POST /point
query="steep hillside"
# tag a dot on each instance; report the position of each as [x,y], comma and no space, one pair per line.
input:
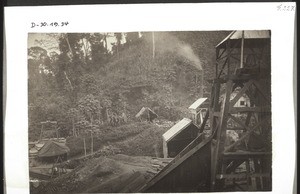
[84,83]
[170,79]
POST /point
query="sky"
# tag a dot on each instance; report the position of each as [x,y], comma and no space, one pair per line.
[51,44]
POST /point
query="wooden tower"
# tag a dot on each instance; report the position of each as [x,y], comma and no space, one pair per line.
[243,68]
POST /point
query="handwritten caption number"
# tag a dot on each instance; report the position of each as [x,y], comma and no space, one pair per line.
[45,24]
[285,7]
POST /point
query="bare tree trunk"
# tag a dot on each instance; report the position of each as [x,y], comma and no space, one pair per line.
[68,80]
[74,131]
[84,146]
[92,143]
[105,41]
[67,39]
[85,50]
[153,46]
[91,117]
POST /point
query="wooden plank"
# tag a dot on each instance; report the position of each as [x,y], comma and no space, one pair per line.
[242,175]
[175,163]
[263,109]
[236,128]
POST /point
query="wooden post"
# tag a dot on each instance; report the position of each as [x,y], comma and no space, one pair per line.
[202,84]
[153,46]
[195,118]
[74,132]
[56,129]
[221,135]
[84,146]
[217,60]
[228,57]
[92,143]
[91,116]
[242,50]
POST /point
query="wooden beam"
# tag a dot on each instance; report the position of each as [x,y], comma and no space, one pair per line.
[242,50]
[242,175]
[221,134]
[223,67]
[233,165]
[220,55]
[236,128]
[264,109]
[240,93]
[245,154]
[216,114]
[249,131]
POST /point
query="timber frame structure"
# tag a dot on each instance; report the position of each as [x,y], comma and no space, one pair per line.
[244,58]
[243,67]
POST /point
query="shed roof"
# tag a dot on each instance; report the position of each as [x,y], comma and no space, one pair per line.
[145,110]
[52,148]
[248,34]
[176,129]
[197,103]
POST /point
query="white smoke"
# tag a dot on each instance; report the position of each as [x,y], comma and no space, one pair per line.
[186,51]
[166,42]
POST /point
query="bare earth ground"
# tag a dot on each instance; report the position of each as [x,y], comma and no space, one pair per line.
[123,165]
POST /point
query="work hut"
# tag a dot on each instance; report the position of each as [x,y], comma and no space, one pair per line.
[146,114]
[198,110]
[53,151]
[178,137]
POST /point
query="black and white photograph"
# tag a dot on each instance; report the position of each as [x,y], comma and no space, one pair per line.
[150,98]
[132,112]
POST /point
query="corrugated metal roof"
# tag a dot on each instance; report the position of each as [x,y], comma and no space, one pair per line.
[197,103]
[248,34]
[177,128]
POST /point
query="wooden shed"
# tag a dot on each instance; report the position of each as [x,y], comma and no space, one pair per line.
[146,114]
[178,137]
[53,150]
[198,110]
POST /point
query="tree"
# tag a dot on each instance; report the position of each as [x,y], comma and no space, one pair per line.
[89,106]
[132,37]
[119,38]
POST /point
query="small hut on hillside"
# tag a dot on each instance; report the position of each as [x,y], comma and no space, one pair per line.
[146,114]
[52,151]
[178,137]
